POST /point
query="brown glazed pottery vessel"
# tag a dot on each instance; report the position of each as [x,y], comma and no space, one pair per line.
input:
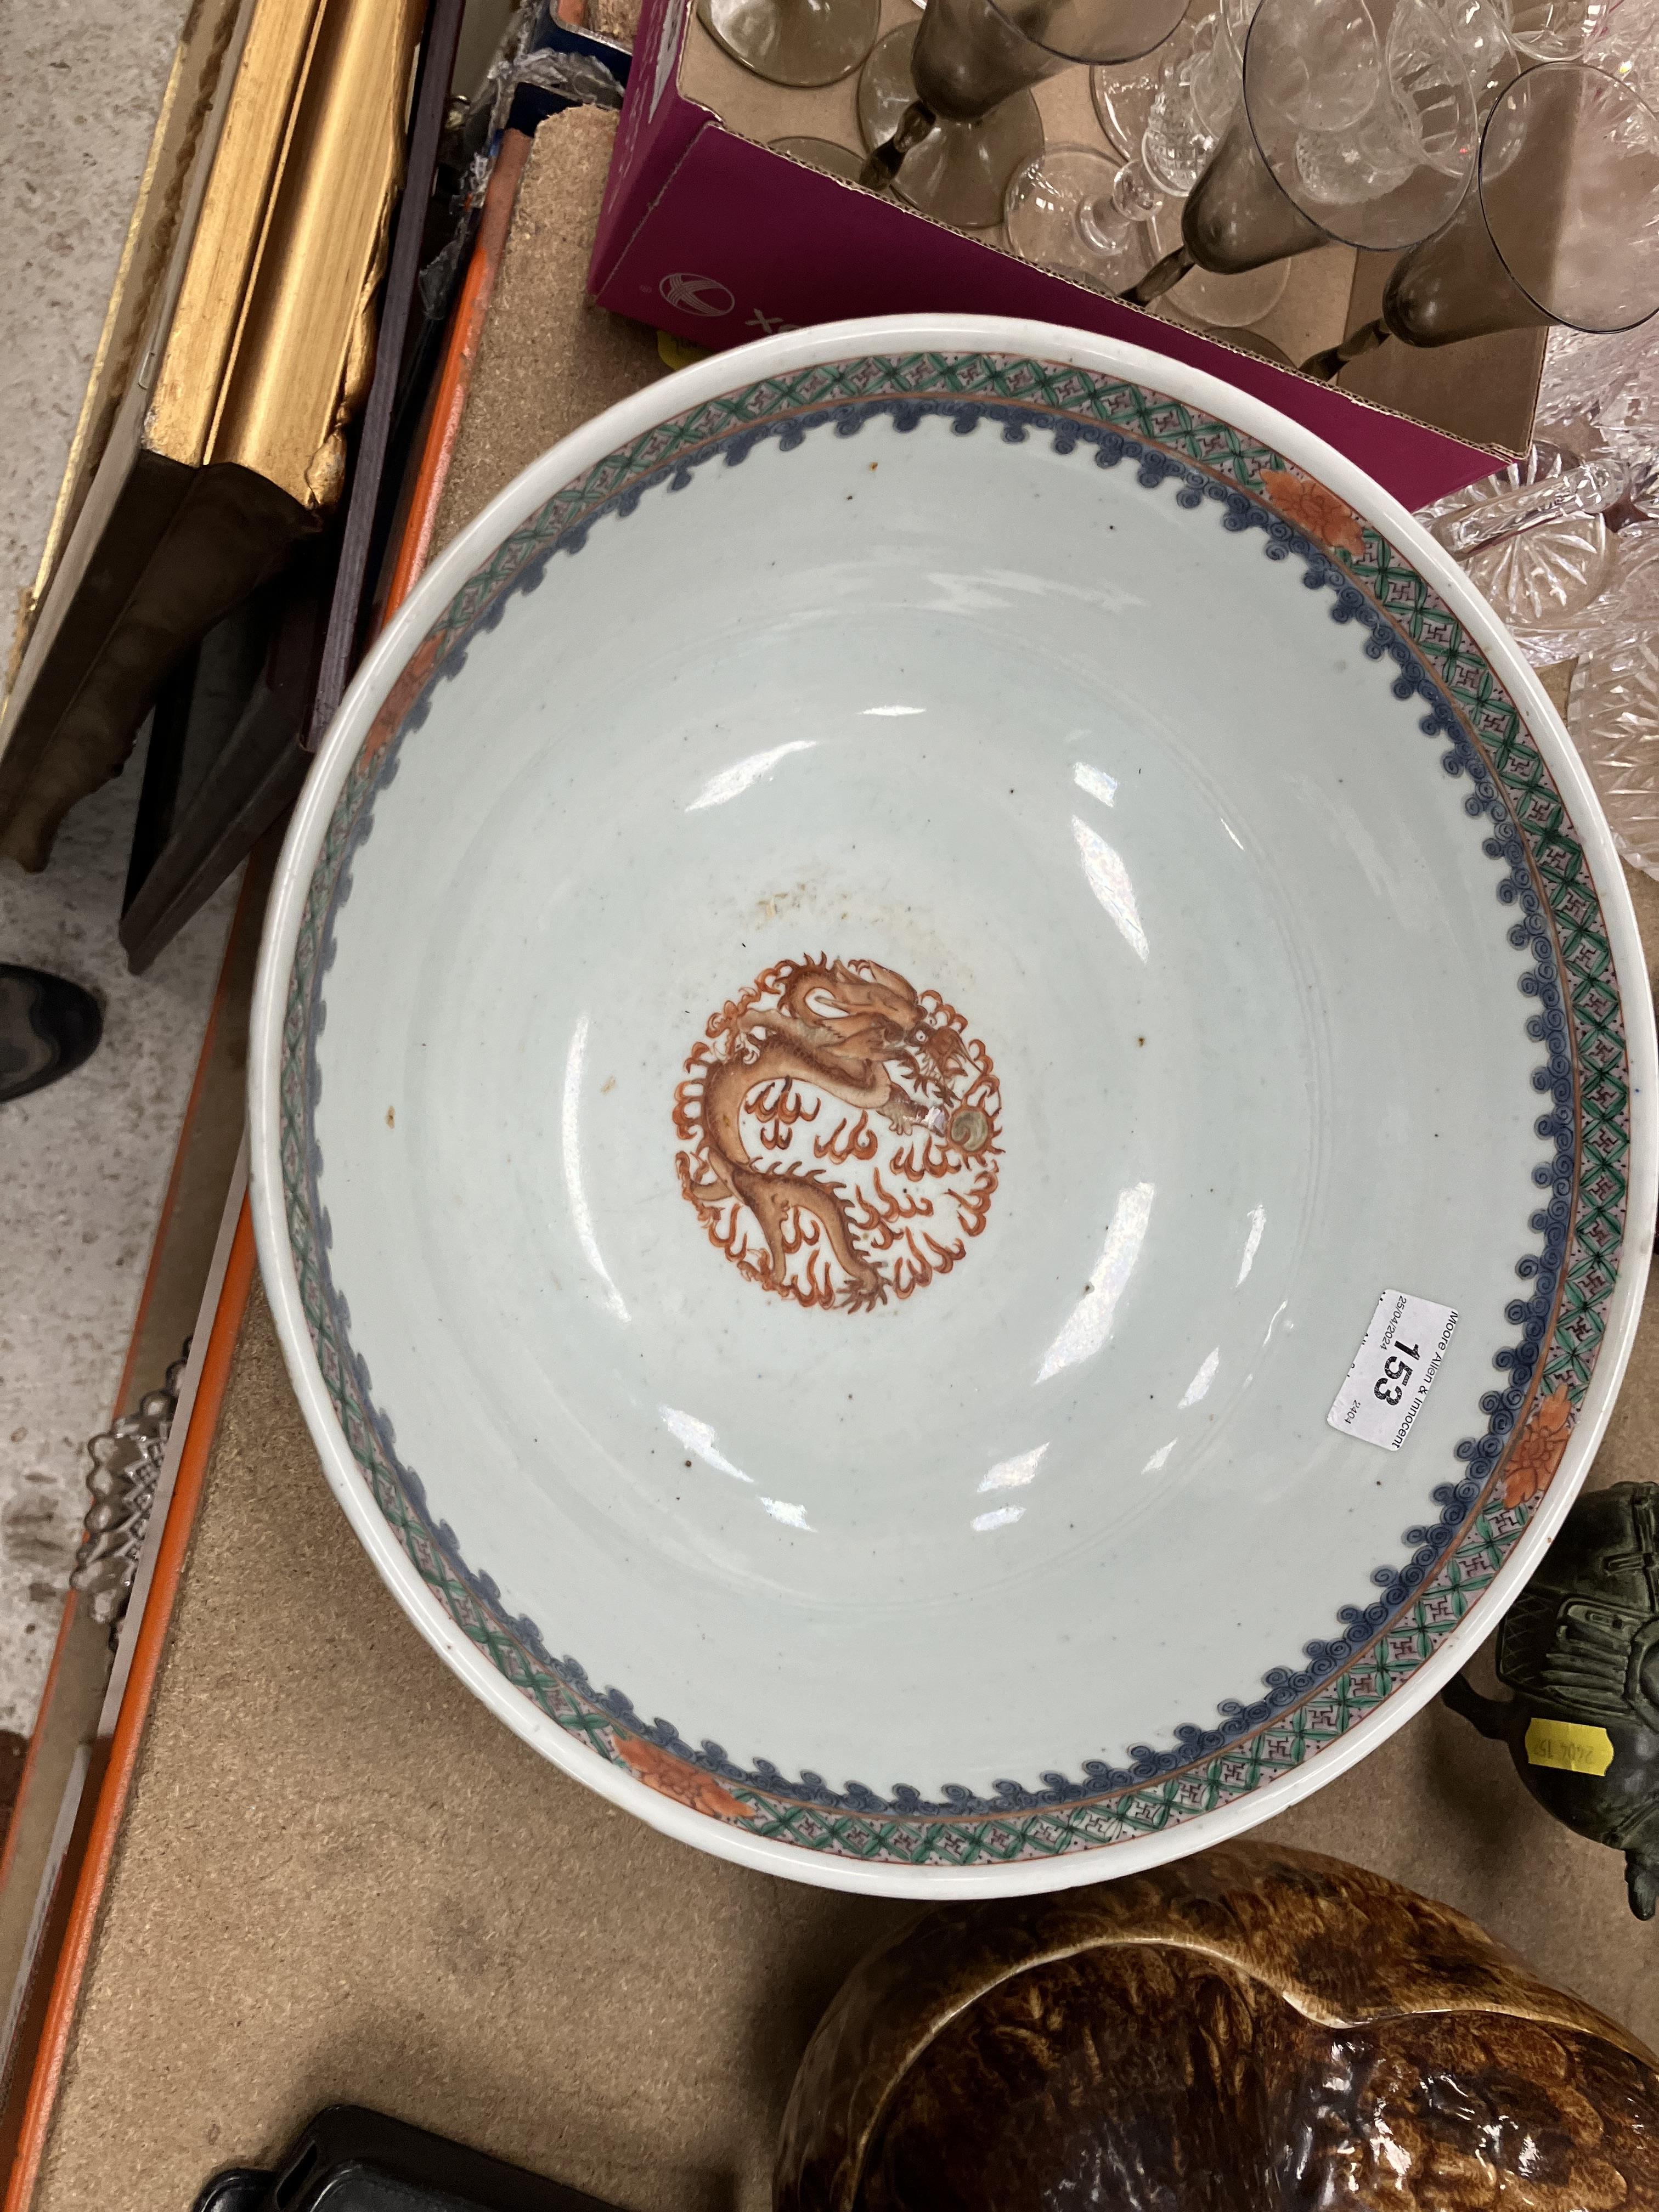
[1248,2030]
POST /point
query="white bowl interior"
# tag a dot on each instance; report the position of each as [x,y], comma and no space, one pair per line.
[1078,757]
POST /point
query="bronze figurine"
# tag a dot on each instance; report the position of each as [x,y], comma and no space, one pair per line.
[1580,1650]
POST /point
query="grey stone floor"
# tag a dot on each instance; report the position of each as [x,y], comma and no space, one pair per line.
[82,84]
[86,1161]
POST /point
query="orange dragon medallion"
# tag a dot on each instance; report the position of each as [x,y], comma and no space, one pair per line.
[841,1134]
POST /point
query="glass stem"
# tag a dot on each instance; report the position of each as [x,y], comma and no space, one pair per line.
[885,161]
[1366,339]
[1591,488]
[1162,276]
[1098,223]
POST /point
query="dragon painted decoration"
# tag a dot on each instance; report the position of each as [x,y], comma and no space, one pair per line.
[832,1095]
[877,1202]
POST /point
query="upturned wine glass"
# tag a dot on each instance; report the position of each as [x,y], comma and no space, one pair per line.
[1563,225]
[794,42]
[945,104]
[1356,124]
[826,153]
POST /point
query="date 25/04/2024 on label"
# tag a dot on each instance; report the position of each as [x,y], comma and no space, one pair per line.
[1394,1370]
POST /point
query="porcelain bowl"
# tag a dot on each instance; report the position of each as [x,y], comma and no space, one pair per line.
[953,1108]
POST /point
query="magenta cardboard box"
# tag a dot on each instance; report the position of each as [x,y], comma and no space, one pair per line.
[709,234]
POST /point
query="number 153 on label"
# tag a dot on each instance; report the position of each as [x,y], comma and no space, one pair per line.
[1394,1370]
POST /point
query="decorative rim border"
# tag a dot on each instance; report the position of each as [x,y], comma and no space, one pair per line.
[1586,1078]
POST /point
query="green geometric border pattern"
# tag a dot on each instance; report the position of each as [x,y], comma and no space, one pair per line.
[1566,890]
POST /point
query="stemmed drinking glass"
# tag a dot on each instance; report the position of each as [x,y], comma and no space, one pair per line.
[1102,218]
[1563,226]
[1169,115]
[1162,117]
[1481,31]
[945,104]
[794,42]
[1554,30]
[1076,212]
[1102,222]
[1356,124]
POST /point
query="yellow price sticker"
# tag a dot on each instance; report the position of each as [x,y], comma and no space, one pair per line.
[1570,1745]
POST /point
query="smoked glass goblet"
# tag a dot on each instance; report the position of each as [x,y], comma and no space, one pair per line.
[1357,125]
[1563,226]
[945,104]
[1103,221]
[1166,114]
[793,42]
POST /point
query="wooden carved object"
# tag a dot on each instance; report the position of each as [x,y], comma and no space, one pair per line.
[1252,2029]
[1580,1650]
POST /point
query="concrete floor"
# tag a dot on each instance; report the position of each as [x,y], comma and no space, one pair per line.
[86,1160]
[83,86]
